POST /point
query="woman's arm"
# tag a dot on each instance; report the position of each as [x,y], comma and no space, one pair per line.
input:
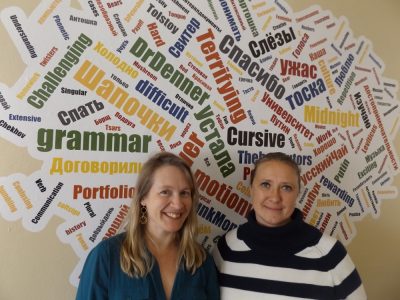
[95,275]
[212,280]
[348,284]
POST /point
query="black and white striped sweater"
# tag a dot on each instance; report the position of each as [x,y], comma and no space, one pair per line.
[294,261]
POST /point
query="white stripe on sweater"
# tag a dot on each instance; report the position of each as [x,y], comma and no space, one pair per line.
[329,278]
[272,273]
[236,294]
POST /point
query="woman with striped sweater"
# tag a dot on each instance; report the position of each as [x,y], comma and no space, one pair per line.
[275,254]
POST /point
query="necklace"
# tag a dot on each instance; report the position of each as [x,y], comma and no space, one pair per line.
[152,241]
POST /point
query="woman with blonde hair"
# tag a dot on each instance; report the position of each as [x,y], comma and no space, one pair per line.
[158,256]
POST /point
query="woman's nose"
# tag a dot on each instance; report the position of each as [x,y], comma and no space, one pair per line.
[177,200]
[275,195]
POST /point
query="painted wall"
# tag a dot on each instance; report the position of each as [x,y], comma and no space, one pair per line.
[376,247]
[38,266]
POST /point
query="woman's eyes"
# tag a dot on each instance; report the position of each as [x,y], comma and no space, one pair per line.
[185,193]
[287,188]
[265,184]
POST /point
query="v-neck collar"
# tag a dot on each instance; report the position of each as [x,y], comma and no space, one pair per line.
[156,279]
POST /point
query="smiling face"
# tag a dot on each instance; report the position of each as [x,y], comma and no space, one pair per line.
[274,192]
[168,202]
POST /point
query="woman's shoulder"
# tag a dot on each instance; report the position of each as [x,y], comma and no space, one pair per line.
[231,234]
[329,243]
[112,244]
[208,261]
[115,240]
[231,242]
[325,246]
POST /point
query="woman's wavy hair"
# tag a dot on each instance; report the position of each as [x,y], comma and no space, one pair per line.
[135,259]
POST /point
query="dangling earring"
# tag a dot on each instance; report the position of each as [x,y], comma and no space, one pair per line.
[143,215]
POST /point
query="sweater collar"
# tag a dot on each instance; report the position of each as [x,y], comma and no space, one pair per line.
[291,237]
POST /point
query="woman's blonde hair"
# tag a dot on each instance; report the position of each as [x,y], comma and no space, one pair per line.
[135,258]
